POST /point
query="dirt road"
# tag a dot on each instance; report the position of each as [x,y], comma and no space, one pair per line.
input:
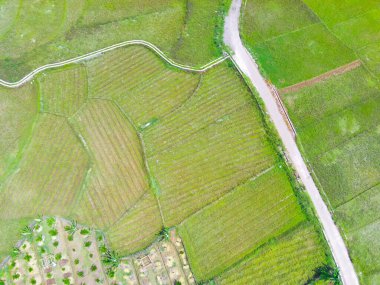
[247,65]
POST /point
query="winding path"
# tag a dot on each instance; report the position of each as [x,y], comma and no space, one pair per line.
[247,65]
[107,49]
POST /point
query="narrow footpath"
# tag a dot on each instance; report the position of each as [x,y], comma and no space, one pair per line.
[248,66]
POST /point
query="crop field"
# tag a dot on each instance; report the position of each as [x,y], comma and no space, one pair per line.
[337,119]
[118,178]
[137,227]
[221,234]
[189,147]
[15,129]
[63,92]
[290,259]
[124,143]
[34,33]
[140,83]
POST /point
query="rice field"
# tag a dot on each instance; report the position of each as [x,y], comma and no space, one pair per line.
[63,91]
[35,33]
[221,234]
[15,130]
[137,227]
[214,142]
[291,259]
[118,177]
[140,82]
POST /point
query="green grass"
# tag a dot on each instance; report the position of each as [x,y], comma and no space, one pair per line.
[118,178]
[285,16]
[350,169]
[361,31]
[334,95]
[63,91]
[41,32]
[137,228]
[360,211]
[365,244]
[301,55]
[341,10]
[140,82]
[289,259]
[15,129]
[190,147]
[224,232]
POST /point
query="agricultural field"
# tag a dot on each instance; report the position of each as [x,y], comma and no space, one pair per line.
[130,146]
[336,116]
[253,213]
[35,33]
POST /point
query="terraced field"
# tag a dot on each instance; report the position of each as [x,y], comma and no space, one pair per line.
[336,118]
[34,33]
[129,145]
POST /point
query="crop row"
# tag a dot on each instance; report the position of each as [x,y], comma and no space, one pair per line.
[224,232]
[140,82]
[289,260]
[118,178]
[63,91]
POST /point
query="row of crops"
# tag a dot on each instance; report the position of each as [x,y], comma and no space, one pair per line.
[129,157]
[337,119]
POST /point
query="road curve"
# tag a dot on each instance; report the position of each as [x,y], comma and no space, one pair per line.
[99,52]
[248,66]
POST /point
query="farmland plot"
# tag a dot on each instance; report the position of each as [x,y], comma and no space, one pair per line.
[118,178]
[221,234]
[63,91]
[140,82]
[290,259]
[15,129]
[138,227]
[214,142]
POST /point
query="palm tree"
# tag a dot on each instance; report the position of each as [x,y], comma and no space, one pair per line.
[72,227]
[111,258]
[27,232]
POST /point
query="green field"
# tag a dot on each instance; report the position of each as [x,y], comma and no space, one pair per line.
[34,33]
[337,120]
[290,259]
[127,144]
[221,234]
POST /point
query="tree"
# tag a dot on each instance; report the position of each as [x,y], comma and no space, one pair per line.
[111,259]
[164,233]
[326,273]
[27,232]
[72,227]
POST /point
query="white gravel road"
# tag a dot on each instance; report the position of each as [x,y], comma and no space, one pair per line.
[247,65]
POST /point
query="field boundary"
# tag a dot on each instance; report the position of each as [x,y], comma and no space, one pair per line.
[337,71]
[110,48]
